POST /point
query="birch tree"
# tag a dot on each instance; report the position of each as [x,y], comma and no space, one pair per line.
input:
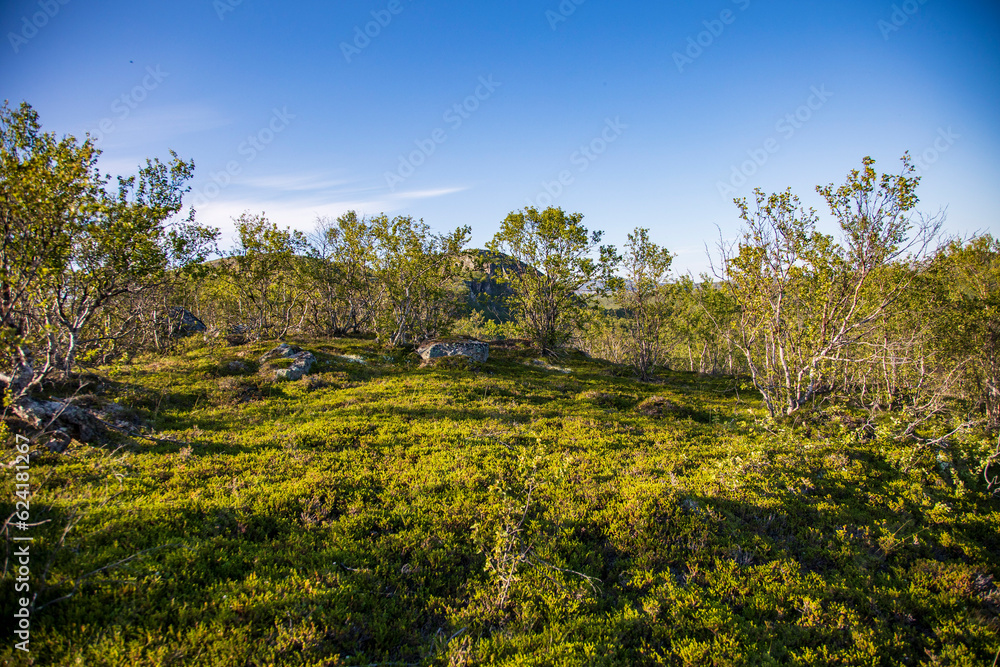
[553,268]
[806,300]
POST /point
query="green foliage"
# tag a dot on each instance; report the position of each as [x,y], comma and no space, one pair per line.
[553,264]
[642,293]
[382,512]
[263,271]
[392,276]
[42,184]
[697,324]
[475,325]
[806,301]
[413,269]
[77,254]
[963,288]
[338,273]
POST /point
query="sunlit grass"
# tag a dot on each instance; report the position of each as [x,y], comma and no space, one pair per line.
[381,512]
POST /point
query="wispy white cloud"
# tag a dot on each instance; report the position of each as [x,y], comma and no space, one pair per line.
[427,194]
[301,182]
[292,208]
[297,214]
[335,187]
[154,125]
[297,199]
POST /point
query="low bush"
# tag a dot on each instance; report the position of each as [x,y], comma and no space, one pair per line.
[386,513]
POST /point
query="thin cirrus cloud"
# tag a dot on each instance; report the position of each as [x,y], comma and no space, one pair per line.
[427,194]
[324,189]
[121,131]
[317,181]
[302,182]
[286,200]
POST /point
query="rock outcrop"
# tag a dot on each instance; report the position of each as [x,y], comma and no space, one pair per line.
[182,322]
[302,361]
[488,291]
[473,349]
[63,421]
[283,351]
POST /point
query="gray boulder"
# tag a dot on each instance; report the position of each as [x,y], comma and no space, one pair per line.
[283,351]
[181,322]
[302,361]
[301,364]
[474,349]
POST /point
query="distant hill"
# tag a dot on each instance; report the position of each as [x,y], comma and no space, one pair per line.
[483,277]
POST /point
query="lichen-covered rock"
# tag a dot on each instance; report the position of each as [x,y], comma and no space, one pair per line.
[301,364]
[64,421]
[473,349]
[283,351]
[237,368]
[302,361]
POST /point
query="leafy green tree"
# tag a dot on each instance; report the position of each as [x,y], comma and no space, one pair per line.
[342,294]
[963,288]
[642,293]
[414,270]
[123,252]
[48,189]
[702,325]
[602,335]
[72,247]
[553,269]
[264,270]
[392,276]
[806,301]
[779,254]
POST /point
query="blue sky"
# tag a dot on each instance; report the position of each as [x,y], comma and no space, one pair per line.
[632,113]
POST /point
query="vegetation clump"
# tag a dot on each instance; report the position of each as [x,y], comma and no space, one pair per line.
[658,406]
[607,399]
[392,513]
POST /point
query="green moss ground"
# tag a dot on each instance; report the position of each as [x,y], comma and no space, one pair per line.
[391,514]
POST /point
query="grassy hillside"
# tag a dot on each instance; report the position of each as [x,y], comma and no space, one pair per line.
[517,512]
